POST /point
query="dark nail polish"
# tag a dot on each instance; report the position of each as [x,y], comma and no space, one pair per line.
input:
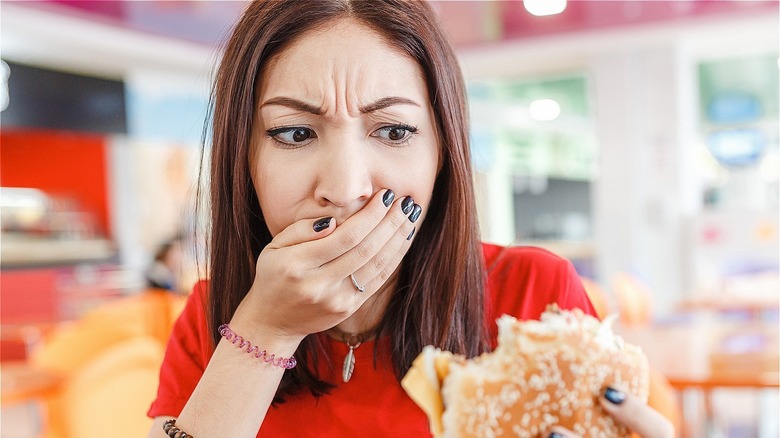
[388,197]
[407,204]
[415,213]
[321,224]
[614,396]
[409,237]
[556,435]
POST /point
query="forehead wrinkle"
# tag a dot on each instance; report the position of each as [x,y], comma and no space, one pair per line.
[340,95]
[348,84]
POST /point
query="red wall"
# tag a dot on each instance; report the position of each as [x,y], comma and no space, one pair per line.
[29,296]
[71,165]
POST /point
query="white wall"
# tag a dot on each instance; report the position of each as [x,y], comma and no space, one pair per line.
[645,163]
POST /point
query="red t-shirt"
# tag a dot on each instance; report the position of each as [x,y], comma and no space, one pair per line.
[522,281]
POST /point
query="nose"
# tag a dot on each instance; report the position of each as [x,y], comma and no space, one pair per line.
[344,176]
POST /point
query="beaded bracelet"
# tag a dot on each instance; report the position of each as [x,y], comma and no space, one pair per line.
[170,429]
[235,338]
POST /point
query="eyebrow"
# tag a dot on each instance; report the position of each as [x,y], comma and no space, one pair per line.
[306,107]
[386,102]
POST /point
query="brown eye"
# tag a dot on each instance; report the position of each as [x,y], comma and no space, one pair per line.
[395,134]
[300,135]
[293,135]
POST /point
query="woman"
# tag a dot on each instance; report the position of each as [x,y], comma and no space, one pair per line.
[166,266]
[344,230]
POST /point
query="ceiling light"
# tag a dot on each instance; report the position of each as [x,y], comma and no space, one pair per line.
[541,8]
[544,110]
[5,72]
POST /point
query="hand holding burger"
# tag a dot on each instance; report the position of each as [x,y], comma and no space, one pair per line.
[640,418]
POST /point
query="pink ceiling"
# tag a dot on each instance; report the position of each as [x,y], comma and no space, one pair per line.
[479,22]
[469,23]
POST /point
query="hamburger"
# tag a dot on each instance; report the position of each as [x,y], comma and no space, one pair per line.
[542,373]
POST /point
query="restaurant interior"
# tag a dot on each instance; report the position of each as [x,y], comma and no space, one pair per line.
[638,139]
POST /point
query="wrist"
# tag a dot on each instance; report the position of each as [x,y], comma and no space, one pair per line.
[260,353]
[261,327]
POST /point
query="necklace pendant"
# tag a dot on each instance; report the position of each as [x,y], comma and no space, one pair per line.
[349,365]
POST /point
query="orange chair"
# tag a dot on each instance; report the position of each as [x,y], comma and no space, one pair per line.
[635,304]
[72,349]
[70,346]
[634,299]
[597,297]
[663,398]
[112,393]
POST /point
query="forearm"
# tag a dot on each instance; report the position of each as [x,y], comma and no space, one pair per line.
[232,381]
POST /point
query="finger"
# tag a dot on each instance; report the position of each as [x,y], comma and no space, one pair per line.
[353,231]
[636,415]
[369,253]
[560,432]
[376,272]
[381,268]
[304,230]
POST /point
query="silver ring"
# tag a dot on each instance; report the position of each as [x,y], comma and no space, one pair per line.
[355,283]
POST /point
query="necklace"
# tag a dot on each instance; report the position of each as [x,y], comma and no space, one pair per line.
[353,341]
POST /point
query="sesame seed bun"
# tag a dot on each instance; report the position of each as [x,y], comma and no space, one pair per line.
[543,373]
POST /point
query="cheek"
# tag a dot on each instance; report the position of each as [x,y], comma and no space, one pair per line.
[276,195]
[416,176]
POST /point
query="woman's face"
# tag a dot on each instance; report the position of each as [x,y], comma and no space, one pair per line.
[341,115]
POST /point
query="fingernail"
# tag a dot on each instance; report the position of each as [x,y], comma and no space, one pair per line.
[556,435]
[409,237]
[614,396]
[415,213]
[388,197]
[321,224]
[407,204]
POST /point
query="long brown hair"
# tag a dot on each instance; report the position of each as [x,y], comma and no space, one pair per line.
[440,295]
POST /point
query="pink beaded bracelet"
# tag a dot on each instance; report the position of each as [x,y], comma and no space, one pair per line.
[235,338]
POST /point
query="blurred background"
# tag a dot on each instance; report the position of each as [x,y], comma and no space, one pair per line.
[639,139]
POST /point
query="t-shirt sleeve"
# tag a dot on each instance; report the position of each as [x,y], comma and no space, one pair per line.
[186,356]
[573,295]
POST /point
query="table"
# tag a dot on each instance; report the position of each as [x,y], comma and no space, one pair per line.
[22,382]
[23,388]
[706,353]
[756,305]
